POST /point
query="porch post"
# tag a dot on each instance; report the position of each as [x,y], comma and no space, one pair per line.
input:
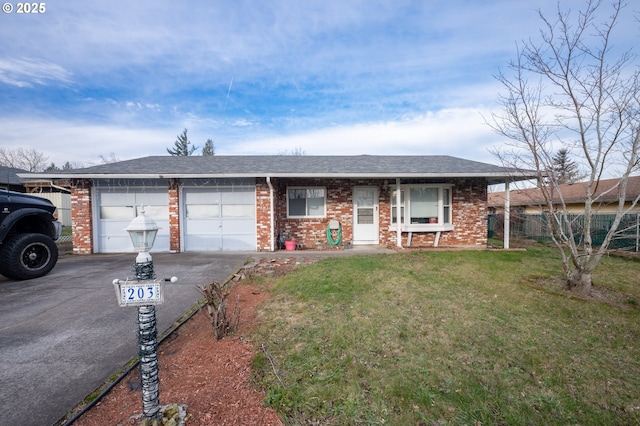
[271,216]
[398,217]
[507,213]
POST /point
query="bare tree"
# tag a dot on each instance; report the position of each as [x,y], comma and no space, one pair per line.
[295,152]
[566,92]
[111,158]
[23,158]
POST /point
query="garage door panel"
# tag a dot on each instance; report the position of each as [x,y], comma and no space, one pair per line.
[238,226]
[239,196]
[200,196]
[117,198]
[116,209]
[204,243]
[202,211]
[239,243]
[116,212]
[219,218]
[237,210]
[157,212]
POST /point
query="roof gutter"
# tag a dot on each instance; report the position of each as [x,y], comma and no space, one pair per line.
[500,176]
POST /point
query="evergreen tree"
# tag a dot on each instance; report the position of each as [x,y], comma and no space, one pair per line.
[52,168]
[565,170]
[209,149]
[182,146]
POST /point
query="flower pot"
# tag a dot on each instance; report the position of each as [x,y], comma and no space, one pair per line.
[290,245]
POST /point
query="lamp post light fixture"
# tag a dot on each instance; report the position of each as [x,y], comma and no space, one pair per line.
[145,292]
[142,231]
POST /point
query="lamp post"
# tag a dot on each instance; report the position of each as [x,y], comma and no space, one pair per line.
[145,292]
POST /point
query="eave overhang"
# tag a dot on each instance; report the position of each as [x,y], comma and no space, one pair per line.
[493,178]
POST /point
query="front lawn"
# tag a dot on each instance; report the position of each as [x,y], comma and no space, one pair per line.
[450,337]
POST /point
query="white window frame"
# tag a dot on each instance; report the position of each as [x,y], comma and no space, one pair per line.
[308,216]
[443,223]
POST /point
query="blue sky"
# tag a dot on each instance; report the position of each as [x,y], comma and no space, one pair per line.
[87,79]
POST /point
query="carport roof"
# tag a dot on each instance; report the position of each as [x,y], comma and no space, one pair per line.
[357,166]
[9,175]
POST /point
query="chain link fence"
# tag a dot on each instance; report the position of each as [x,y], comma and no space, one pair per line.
[536,227]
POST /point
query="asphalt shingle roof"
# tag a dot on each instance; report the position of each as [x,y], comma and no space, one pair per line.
[606,192]
[291,166]
[9,175]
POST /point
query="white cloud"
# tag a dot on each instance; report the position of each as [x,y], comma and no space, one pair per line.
[457,132]
[63,141]
[325,76]
[27,72]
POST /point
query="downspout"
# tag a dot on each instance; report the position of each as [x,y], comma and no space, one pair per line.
[507,213]
[398,217]
[271,219]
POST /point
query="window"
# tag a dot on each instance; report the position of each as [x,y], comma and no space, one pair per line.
[394,211]
[446,205]
[422,206]
[306,202]
[116,213]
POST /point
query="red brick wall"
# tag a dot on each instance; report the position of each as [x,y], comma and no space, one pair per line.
[469,214]
[174,216]
[81,218]
[263,216]
[469,211]
[312,233]
[469,218]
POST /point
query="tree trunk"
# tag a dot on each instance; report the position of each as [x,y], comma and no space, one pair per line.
[579,281]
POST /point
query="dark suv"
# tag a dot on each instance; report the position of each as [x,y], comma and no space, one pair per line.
[28,231]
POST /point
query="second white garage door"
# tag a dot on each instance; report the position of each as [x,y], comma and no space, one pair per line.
[219,218]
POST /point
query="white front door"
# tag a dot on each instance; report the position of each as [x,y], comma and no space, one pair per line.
[365,215]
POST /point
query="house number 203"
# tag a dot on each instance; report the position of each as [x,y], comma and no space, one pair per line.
[140,292]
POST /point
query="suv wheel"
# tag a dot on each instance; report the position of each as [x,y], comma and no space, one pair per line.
[27,256]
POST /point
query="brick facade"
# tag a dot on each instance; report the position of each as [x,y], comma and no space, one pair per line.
[469,218]
[81,217]
[174,216]
[469,211]
[264,239]
[469,214]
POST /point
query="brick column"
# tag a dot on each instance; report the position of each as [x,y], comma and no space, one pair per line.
[263,216]
[81,219]
[174,216]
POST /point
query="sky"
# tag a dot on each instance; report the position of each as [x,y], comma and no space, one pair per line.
[87,80]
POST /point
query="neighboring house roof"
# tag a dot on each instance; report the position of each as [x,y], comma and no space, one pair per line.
[432,166]
[9,176]
[572,193]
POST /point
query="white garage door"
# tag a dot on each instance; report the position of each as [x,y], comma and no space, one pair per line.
[115,210]
[220,218]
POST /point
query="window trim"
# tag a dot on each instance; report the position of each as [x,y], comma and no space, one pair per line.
[307,216]
[441,225]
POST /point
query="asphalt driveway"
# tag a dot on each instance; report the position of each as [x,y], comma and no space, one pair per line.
[63,335]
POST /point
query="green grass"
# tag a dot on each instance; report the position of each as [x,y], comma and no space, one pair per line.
[461,337]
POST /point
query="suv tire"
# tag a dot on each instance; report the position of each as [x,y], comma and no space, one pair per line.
[27,256]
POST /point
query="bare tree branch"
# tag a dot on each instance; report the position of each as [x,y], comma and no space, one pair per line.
[567,92]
